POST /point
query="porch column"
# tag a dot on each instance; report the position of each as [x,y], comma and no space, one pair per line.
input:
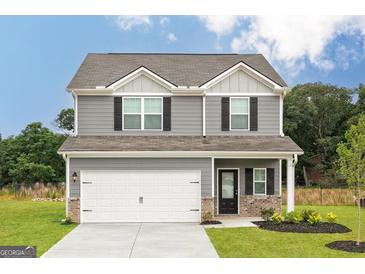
[290,183]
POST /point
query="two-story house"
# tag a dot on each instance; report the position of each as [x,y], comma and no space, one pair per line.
[168,137]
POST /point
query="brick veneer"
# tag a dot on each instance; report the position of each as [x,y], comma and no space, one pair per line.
[250,205]
[207,206]
[74,209]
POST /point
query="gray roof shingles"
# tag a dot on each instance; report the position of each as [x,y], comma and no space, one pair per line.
[180,143]
[180,69]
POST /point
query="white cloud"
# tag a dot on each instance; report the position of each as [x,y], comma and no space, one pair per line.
[220,24]
[164,21]
[171,37]
[291,41]
[127,22]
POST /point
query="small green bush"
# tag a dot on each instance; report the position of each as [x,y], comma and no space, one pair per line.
[331,217]
[306,214]
[266,213]
[292,217]
[207,216]
[315,218]
[277,218]
[66,221]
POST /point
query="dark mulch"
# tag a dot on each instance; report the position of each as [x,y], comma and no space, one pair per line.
[349,246]
[213,222]
[303,227]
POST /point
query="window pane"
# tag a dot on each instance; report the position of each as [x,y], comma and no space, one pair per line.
[152,105]
[239,105]
[152,121]
[260,188]
[132,121]
[132,105]
[239,121]
[227,185]
[260,175]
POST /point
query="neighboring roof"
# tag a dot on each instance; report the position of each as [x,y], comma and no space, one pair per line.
[180,69]
[180,143]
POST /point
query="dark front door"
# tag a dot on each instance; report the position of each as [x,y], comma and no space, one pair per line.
[228,191]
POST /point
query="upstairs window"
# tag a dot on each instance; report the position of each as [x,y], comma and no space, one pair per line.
[259,181]
[142,113]
[239,113]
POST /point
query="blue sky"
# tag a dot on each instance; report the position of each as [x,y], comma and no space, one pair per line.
[40,54]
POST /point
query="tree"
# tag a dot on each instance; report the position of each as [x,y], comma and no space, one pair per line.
[65,120]
[352,163]
[315,117]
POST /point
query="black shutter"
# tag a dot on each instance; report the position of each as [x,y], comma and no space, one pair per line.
[225,113]
[118,113]
[167,114]
[270,173]
[249,181]
[253,113]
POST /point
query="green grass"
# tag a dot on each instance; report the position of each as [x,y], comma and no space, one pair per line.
[258,243]
[32,223]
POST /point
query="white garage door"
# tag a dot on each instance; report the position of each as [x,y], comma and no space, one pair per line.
[140,196]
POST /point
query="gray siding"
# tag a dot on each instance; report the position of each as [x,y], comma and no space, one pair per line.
[268,117]
[95,117]
[242,164]
[203,164]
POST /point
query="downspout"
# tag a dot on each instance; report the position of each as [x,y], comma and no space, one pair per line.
[74,95]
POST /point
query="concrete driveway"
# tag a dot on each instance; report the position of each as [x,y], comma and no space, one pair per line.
[134,240]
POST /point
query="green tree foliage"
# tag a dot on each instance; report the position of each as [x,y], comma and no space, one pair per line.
[31,156]
[352,162]
[315,117]
[65,120]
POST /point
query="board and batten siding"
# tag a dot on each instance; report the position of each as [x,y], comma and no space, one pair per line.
[203,164]
[142,84]
[239,82]
[242,164]
[96,117]
[268,117]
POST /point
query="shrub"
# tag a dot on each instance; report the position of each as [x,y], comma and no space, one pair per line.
[292,217]
[331,217]
[207,216]
[277,218]
[306,213]
[266,213]
[66,221]
[314,218]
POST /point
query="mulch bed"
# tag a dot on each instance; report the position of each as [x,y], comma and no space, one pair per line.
[213,222]
[303,227]
[349,246]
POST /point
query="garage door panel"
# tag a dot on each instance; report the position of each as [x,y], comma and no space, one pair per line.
[114,196]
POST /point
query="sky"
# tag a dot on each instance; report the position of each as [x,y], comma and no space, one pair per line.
[40,54]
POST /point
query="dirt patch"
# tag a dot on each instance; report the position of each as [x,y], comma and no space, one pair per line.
[349,246]
[303,227]
[213,222]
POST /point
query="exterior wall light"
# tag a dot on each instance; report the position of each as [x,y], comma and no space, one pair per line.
[74,177]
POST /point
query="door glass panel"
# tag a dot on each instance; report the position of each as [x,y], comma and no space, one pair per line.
[227,185]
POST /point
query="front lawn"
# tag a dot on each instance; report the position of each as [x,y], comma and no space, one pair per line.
[258,243]
[32,223]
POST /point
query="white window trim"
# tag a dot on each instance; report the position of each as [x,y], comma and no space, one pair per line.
[254,182]
[242,113]
[142,113]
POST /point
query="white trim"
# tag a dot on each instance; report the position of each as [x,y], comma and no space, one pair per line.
[142,114]
[281,113]
[67,159]
[238,189]
[204,117]
[212,171]
[178,154]
[81,191]
[242,113]
[254,181]
[280,175]
[245,68]
[76,113]
[141,71]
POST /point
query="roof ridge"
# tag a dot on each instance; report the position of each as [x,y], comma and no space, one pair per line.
[174,53]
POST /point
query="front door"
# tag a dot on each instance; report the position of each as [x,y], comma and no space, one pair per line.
[228,191]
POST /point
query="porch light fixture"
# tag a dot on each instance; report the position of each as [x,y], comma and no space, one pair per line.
[74,177]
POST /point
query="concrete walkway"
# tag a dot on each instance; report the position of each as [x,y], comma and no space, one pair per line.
[234,221]
[134,240]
